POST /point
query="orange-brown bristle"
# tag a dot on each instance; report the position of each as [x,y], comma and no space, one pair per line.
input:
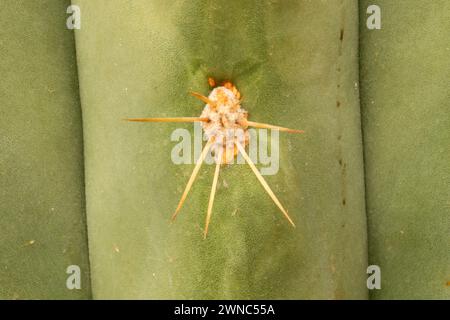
[211,82]
[228,85]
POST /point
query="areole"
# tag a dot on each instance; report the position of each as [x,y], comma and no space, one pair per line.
[225,124]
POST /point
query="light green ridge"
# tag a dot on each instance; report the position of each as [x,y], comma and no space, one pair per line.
[140,58]
[405,70]
[42,212]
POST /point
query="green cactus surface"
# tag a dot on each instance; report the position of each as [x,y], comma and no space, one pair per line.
[367,183]
[296,64]
[405,98]
[42,210]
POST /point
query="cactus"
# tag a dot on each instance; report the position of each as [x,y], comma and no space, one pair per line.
[405,106]
[296,64]
[43,228]
[141,59]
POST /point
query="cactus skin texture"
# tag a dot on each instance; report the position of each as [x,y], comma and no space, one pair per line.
[296,64]
[42,224]
[405,96]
